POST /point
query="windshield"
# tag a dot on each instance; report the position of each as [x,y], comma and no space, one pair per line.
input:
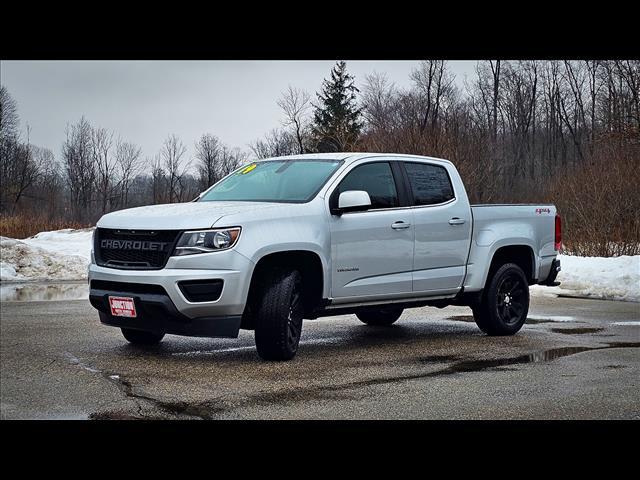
[274,181]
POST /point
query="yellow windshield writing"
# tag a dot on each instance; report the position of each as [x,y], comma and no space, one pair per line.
[248,169]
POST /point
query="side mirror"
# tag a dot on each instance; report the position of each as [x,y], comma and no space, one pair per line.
[353,200]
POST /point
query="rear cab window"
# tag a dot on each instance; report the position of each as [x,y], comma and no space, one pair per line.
[430,184]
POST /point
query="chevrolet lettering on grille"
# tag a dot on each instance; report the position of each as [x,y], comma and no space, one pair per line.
[133,245]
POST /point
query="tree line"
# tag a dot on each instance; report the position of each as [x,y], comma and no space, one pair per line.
[518,131]
[98,172]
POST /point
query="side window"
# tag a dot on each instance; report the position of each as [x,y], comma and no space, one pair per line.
[430,184]
[374,178]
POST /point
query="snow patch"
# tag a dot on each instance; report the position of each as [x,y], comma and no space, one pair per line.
[58,255]
[615,278]
[624,324]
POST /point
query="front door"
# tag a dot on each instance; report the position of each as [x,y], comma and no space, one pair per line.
[372,251]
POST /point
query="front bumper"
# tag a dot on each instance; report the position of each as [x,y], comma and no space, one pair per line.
[170,311]
[157,313]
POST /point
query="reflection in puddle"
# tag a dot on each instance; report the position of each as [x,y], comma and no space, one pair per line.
[33,292]
[577,331]
[543,356]
[549,318]
[531,319]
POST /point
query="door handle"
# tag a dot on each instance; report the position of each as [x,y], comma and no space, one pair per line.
[456,221]
[400,225]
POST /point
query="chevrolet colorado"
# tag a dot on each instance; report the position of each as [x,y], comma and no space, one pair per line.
[306,236]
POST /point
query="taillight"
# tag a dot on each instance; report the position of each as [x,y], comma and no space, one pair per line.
[558,237]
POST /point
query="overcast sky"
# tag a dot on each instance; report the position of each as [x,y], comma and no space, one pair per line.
[144,101]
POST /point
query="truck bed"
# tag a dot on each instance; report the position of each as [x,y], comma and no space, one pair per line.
[498,225]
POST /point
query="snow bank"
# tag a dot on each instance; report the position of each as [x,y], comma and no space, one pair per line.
[615,278]
[58,255]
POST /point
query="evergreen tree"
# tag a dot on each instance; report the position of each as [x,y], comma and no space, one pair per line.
[336,124]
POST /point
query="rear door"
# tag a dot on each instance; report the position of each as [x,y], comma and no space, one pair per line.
[442,228]
[372,251]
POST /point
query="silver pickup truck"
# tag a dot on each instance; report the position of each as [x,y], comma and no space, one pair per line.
[307,236]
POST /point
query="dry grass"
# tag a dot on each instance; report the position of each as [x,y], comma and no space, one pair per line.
[599,202]
[23,226]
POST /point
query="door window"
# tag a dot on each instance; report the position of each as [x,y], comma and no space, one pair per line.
[430,183]
[374,178]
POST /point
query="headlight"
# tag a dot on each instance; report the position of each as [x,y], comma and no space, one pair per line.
[203,241]
[93,245]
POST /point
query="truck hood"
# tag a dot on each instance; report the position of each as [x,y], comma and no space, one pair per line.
[178,216]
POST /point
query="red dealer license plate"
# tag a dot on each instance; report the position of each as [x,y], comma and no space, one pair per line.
[122,307]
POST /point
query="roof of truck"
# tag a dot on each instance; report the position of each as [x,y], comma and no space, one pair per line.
[351,156]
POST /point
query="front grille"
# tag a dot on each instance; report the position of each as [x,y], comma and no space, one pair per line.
[134,249]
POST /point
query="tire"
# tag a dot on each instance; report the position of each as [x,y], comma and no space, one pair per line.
[278,324]
[380,317]
[504,304]
[139,337]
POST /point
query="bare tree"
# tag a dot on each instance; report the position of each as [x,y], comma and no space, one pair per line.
[208,159]
[105,165]
[158,180]
[175,166]
[434,83]
[276,143]
[128,165]
[9,120]
[295,104]
[230,159]
[21,174]
[495,71]
[519,96]
[629,71]
[48,190]
[80,168]
[378,95]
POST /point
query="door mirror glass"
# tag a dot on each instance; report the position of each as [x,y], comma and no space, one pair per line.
[354,200]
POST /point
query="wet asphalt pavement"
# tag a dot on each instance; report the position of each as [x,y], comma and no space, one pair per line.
[574,359]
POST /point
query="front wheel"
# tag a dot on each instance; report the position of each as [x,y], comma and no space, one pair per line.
[504,304]
[379,316]
[279,317]
[139,337]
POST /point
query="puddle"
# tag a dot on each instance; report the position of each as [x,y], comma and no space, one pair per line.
[577,331]
[531,319]
[537,357]
[439,358]
[36,292]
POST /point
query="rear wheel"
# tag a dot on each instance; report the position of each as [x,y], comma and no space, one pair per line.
[279,316]
[380,316]
[504,304]
[139,337]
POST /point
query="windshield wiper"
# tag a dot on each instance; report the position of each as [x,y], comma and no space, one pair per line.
[284,166]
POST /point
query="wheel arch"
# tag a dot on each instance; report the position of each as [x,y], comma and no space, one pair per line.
[520,254]
[307,262]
